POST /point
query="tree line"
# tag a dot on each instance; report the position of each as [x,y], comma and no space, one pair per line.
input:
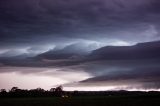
[59,92]
[38,92]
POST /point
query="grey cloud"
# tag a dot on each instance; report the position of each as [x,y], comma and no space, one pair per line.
[72,51]
[37,26]
[144,78]
[80,54]
[140,72]
[52,21]
[140,51]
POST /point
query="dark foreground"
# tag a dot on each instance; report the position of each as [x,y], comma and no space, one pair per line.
[123,100]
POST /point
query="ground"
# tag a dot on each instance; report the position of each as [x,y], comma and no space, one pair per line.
[82,101]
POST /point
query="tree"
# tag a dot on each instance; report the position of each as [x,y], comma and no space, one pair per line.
[40,90]
[52,89]
[59,91]
[3,90]
[14,89]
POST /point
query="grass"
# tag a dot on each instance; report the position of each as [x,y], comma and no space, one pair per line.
[82,101]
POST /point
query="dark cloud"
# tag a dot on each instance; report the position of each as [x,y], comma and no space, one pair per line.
[148,78]
[85,54]
[52,21]
[140,51]
[72,51]
[137,71]
[138,74]
[66,34]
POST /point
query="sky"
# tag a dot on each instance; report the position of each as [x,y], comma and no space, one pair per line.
[80,44]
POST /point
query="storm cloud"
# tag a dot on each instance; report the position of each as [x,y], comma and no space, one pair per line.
[107,66]
[110,41]
[51,22]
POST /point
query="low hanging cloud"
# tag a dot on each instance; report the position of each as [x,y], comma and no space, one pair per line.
[109,66]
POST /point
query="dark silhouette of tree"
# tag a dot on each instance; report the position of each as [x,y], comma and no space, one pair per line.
[40,90]
[13,89]
[59,91]
[3,90]
[52,90]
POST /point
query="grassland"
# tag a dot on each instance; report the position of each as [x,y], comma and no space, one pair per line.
[83,101]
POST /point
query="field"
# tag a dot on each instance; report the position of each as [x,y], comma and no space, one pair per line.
[83,101]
